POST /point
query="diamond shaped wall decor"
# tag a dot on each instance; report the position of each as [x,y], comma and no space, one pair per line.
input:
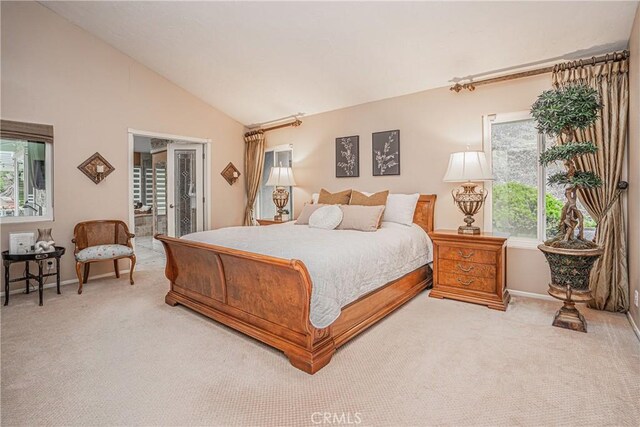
[230,173]
[96,168]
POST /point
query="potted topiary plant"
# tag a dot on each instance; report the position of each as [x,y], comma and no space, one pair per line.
[560,112]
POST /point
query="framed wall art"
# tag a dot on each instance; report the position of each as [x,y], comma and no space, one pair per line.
[348,156]
[385,152]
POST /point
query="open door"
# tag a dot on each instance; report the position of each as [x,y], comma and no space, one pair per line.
[185,192]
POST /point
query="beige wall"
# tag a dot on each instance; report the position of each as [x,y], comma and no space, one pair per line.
[634,166]
[432,125]
[56,73]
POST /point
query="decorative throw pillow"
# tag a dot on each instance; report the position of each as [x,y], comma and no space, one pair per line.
[361,218]
[307,210]
[400,208]
[315,197]
[326,217]
[362,199]
[341,198]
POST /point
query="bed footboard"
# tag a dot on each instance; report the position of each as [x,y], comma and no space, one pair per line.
[269,298]
[264,297]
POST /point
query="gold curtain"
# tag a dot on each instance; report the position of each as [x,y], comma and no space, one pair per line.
[609,280]
[253,164]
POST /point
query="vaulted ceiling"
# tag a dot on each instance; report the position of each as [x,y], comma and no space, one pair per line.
[257,61]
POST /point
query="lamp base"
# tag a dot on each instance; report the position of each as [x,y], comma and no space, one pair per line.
[280,198]
[467,229]
[469,202]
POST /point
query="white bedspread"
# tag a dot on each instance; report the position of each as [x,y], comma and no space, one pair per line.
[343,264]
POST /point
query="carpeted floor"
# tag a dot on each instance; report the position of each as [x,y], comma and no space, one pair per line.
[118,355]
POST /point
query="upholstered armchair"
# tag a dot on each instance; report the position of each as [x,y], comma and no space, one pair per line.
[102,240]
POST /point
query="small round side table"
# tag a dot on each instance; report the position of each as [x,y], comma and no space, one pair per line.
[40,258]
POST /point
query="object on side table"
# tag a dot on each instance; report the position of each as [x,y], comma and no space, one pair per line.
[21,243]
[561,113]
[465,167]
[269,221]
[470,268]
[44,242]
[96,168]
[281,177]
[230,173]
[102,240]
[8,259]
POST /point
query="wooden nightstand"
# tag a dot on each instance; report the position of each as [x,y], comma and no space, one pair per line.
[471,268]
[269,221]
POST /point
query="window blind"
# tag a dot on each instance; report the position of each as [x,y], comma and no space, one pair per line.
[26,131]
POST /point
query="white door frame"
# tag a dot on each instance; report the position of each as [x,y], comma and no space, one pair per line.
[178,138]
[171,212]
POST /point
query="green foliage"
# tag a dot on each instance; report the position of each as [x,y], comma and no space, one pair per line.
[515,207]
[5,181]
[565,109]
[566,152]
[579,179]
[553,207]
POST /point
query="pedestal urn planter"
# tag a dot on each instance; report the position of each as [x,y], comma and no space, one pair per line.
[570,271]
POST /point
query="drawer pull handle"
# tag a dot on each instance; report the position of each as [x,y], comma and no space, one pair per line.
[466,270]
[465,283]
[469,255]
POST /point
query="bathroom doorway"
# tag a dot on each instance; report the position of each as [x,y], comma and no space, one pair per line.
[168,187]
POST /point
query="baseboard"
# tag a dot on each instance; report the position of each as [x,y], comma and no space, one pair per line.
[62,283]
[531,295]
[633,325]
[550,298]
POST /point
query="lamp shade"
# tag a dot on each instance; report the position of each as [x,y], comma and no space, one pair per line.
[281,177]
[468,166]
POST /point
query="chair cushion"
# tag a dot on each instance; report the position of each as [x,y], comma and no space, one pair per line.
[102,252]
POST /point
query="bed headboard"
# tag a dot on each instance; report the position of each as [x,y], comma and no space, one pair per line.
[425,210]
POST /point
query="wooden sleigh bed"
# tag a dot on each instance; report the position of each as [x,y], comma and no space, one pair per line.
[269,298]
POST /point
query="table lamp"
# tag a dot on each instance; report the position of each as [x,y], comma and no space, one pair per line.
[468,166]
[280,177]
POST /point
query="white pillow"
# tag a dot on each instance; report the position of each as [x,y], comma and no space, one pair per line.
[315,197]
[400,208]
[327,217]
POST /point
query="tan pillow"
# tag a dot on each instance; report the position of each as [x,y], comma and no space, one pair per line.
[361,218]
[341,198]
[376,199]
[307,210]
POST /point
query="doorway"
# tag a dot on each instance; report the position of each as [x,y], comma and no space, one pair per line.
[168,180]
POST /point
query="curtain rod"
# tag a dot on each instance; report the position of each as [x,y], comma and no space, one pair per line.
[609,57]
[278,120]
[297,122]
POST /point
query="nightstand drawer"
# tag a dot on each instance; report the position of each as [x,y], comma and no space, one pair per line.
[467,254]
[483,284]
[468,268]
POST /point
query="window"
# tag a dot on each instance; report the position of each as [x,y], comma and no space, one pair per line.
[25,180]
[142,179]
[277,156]
[520,202]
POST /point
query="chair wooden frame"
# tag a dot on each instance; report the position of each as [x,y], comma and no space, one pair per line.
[269,298]
[93,233]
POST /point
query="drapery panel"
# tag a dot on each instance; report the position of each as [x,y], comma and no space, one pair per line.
[253,164]
[609,281]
